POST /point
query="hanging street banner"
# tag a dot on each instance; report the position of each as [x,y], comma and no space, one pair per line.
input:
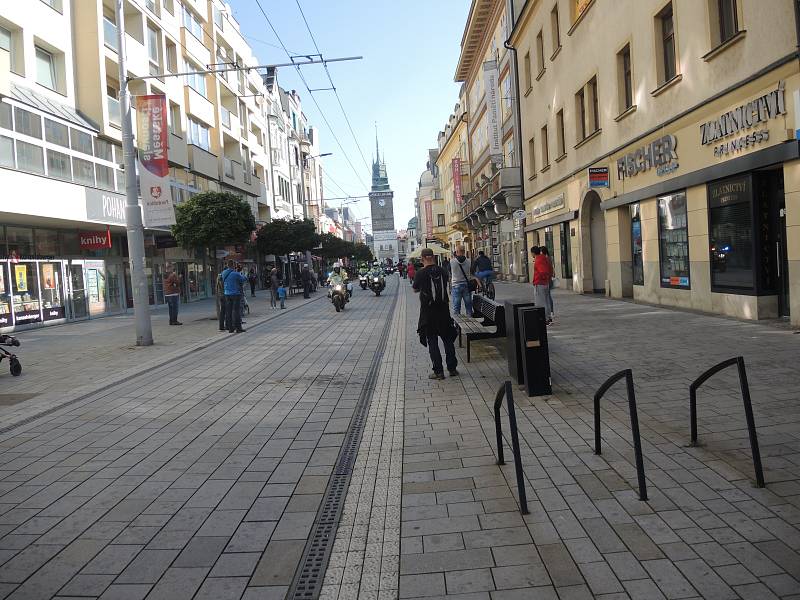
[428,217]
[151,139]
[457,181]
[490,77]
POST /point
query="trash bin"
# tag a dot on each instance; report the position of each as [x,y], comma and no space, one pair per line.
[513,354]
[534,351]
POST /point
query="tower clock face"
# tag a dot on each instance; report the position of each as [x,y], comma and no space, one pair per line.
[381,202]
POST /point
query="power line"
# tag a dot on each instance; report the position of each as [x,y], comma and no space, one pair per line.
[333,86]
[311,95]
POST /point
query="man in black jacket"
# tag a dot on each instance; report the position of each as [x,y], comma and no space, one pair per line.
[435,321]
[305,277]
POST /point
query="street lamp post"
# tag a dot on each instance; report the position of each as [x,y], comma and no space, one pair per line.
[133,212]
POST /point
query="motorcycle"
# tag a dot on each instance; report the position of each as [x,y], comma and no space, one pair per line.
[377,285]
[339,295]
[362,281]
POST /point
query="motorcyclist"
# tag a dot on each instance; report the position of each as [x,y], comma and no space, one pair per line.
[339,275]
[363,269]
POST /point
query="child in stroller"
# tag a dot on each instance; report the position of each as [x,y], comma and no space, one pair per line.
[14,365]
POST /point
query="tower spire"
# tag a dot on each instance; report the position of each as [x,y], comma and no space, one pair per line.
[377,151]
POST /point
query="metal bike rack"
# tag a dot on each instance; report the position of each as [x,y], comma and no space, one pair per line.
[637,442]
[748,409]
[505,390]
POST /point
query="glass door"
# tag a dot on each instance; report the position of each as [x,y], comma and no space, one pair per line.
[114,275]
[78,304]
[96,287]
[6,319]
[783,260]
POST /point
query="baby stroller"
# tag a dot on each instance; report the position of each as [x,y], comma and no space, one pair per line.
[14,365]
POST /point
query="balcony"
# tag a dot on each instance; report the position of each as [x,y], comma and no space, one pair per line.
[226,118]
[114,111]
[110,35]
[497,196]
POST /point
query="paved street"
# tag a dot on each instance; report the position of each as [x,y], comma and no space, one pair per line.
[202,477]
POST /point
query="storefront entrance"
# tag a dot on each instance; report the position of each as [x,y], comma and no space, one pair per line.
[782,255]
[593,242]
[95,288]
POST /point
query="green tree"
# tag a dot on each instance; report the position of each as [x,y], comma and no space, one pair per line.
[213,219]
[362,252]
[282,236]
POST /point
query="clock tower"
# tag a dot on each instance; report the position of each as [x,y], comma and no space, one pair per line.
[381,200]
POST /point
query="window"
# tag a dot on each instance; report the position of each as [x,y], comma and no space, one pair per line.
[532,156]
[27,123]
[636,244]
[666,32]
[730,225]
[58,165]
[83,171]
[545,151]
[5,116]
[580,110]
[110,38]
[103,150]
[105,177]
[121,180]
[172,57]
[45,69]
[440,220]
[673,240]
[566,252]
[196,81]
[153,46]
[56,133]
[198,134]
[54,4]
[5,39]
[562,149]
[555,29]
[540,53]
[169,6]
[81,141]
[595,114]
[727,21]
[30,158]
[527,71]
[192,23]
[175,119]
[151,5]
[625,77]
[6,153]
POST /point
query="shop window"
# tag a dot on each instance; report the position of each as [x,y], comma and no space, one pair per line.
[730,225]
[625,78]
[81,141]
[673,239]
[636,245]
[105,177]
[566,250]
[52,297]
[70,243]
[58,165]
[665,34]
[20,242]
[56,133]
[25,293]
[83,171]
[5,116]
[46,243]
[6,152]
[27,123]
[5,294]
[30,158]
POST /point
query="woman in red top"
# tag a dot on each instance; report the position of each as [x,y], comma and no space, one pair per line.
[411,271]
[542,276]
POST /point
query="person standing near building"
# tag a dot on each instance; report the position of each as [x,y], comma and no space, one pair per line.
[412,271]
[232,282]
[172,293]
[252,280]
[459,270]
[435,322]
[551,285]
[274,284]
[542,275]
[305,277]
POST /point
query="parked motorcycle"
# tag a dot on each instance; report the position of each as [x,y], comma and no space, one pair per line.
[377,284]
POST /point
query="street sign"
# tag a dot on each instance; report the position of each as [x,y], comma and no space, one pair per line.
[598,177]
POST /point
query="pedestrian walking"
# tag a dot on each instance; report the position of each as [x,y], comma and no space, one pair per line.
[252,280]
[305,278]
[412,271]
[462,285]
[435,322]
[282,295]
[232,282]
[222,311]
[552,283]
[274,284]
[542,274]
[172,292]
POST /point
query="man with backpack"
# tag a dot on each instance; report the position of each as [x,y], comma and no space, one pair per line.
[232,283]
[435,321]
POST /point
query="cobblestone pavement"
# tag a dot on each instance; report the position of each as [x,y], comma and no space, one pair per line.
[65,362]
[198,479]
[705,531]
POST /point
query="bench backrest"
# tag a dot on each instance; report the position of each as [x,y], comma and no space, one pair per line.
[493,311]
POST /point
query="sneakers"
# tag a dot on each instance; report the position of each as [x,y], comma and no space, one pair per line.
[436,376]
[176,323]
[453,373]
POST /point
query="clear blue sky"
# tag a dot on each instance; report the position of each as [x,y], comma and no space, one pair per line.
[405,81]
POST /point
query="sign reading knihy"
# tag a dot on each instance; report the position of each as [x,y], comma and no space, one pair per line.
[151,138]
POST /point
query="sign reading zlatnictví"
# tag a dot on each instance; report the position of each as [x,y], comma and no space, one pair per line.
[151,138]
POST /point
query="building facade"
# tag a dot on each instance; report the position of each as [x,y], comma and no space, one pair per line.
[63,248]
[661,159]
[453,166]
[381,200]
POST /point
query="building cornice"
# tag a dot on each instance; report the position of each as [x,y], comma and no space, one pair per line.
[474,38]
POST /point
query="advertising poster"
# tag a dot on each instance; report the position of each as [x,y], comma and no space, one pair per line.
[152,138]
[2,279]
[428,217]
[490,74]
[21,277]
[48,277]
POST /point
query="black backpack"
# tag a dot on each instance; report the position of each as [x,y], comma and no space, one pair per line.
[436,294]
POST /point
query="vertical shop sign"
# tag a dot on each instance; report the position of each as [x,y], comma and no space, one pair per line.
[457,180]
[151,138]
[428,217]
[490,76]
[21,277]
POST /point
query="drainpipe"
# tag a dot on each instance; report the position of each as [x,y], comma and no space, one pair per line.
[518,129]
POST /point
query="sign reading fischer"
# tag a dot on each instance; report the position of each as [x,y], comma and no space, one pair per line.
[741,119]
[660,153]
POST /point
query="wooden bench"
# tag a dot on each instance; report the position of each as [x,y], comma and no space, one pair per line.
[493,315]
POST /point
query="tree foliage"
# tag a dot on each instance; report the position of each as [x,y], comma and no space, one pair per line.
[334,248]
[282,236]
[213,219]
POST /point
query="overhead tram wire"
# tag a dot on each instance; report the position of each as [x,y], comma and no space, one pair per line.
[311,95]
[333,86]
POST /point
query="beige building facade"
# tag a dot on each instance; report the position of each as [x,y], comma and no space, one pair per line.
[453,167]
[661,157]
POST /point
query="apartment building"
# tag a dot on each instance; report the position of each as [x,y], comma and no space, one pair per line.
[662,156]
[63,250]
[453,166]
[486,68]
[430,204]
